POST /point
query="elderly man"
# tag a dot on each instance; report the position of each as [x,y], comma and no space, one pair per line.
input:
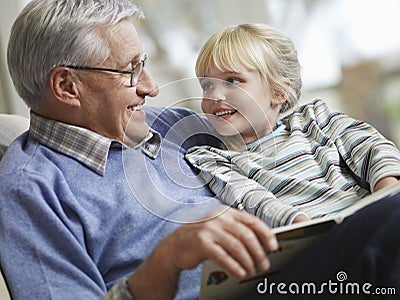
[90,202]
[82,203]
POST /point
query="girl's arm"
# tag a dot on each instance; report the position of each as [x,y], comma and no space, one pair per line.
[235,189]
[384,182]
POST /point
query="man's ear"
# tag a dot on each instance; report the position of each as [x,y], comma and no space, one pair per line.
[63,87]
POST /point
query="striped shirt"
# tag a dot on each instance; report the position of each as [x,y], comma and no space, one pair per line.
[315,163]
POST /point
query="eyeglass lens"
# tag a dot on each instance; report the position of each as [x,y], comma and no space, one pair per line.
[137,71]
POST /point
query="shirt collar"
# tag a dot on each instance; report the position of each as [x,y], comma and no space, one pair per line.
[84,145]
[257,144]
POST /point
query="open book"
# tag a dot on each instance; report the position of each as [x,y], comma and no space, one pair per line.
[293,240]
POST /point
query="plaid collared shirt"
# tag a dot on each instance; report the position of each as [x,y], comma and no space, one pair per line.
[83,144]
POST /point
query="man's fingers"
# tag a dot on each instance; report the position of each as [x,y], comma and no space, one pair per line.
[227,262]
[252,246]
[248,240]
[263,233]
[235,240]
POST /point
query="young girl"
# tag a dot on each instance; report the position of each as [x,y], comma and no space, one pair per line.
[307,164]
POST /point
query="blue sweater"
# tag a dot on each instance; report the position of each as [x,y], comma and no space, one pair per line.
[67,232]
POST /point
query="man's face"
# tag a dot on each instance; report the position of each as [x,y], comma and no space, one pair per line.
[107,99]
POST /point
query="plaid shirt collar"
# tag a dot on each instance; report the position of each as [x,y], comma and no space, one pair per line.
[84,145]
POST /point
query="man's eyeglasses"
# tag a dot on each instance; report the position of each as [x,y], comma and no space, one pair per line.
[135,72]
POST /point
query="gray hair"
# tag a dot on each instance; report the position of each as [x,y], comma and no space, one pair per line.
[49,33]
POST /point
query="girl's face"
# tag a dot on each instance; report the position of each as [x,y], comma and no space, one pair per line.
[239,103]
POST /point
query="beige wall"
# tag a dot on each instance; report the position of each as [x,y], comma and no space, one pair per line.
[9,99]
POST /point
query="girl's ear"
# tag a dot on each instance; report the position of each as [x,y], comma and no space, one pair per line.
[279,97]
[63,87]
[281,94]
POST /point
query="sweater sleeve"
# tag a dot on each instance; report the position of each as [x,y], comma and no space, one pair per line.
[237,190]
[367,153]
[56,265]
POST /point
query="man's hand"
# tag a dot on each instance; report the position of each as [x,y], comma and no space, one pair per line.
[235,240]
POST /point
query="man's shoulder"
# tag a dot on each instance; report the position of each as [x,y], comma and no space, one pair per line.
[182,126]
[15,169]
[26,157]
[177,119]
[15,154]
[169,115]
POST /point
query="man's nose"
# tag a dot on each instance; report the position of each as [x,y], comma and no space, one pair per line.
[146,85]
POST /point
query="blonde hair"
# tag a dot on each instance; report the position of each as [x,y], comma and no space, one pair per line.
[257,47]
